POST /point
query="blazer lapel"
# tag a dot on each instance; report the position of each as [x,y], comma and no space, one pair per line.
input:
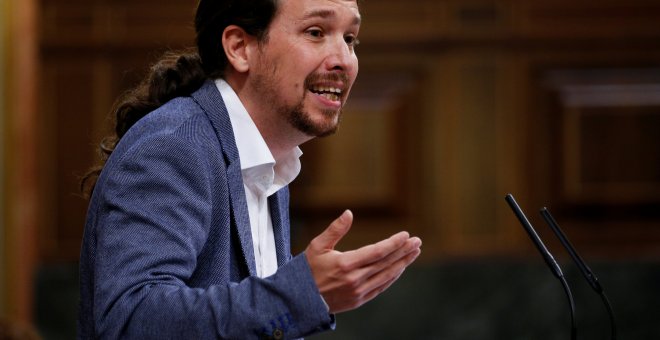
[279,213]
[209,98]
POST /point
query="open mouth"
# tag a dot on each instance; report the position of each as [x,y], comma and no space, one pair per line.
[330,93]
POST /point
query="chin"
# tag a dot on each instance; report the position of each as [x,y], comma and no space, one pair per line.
[323,124]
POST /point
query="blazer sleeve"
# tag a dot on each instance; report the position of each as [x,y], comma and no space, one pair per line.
[152,221]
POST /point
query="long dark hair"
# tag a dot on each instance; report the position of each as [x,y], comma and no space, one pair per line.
[180,74]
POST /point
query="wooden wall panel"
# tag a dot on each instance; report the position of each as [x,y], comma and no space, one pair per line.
[509,22]
[597,152]
[579,20]
[119,25]
[475,152]
[610,150]
[67,111]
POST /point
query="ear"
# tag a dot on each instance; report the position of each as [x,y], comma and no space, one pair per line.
[235,42]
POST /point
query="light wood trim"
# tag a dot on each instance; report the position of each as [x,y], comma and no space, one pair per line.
[4,25]
[21,162]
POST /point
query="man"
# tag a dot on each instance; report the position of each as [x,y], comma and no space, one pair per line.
[187,234]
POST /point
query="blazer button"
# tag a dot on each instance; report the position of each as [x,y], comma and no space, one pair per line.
[278,334]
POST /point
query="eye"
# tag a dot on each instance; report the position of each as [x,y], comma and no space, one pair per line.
[314,32]
[351,40]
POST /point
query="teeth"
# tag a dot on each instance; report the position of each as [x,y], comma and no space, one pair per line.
[330,96]
[325,89]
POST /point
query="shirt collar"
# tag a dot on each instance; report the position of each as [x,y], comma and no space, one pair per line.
[255,156]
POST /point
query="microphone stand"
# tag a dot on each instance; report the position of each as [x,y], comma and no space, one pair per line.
[549,260]
[586,271]
[556,270]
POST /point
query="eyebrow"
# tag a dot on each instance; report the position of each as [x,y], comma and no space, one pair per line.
[328,14]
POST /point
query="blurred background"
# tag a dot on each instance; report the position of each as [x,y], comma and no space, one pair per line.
[458,103]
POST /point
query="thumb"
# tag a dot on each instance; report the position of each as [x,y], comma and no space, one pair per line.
[334,232]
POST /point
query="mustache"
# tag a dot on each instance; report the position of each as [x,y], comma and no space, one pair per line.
[328,77]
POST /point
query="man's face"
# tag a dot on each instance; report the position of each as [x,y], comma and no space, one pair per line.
[307,65]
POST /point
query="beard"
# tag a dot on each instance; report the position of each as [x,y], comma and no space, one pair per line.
[301,120]
[296,114]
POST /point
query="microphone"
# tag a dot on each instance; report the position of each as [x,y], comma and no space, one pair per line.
[586,271]
[549,260]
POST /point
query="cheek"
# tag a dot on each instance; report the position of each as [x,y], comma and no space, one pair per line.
[356,66]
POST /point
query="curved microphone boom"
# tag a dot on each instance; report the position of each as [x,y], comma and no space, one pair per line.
[586,271]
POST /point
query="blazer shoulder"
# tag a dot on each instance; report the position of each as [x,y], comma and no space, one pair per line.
[181,118]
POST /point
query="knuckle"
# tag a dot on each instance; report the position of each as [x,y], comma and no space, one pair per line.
[353,284]
[360,292]
[344,264]
[313,245]
[379,252]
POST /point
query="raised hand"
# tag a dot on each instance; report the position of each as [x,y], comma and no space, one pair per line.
[347,280]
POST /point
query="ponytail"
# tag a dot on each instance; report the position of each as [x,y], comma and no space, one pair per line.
[174,75]
[181,74]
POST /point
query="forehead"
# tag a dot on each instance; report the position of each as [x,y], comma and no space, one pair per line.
[327,9]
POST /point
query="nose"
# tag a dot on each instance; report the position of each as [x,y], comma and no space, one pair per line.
[341,56]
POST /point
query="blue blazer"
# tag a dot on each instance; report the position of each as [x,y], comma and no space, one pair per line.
[167,250]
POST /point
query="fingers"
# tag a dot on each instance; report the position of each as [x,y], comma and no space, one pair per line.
[347,280]
[376,252]
[329,238]
[410,246]
[365,290]
[384,279]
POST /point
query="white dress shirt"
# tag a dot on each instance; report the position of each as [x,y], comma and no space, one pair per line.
[262,177]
